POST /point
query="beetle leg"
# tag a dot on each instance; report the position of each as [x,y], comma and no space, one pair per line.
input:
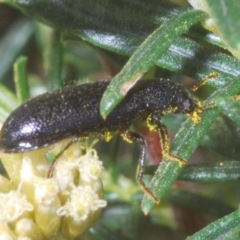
[155,124]
[51,168]
[132,136]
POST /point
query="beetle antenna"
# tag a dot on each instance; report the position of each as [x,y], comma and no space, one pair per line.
[209,105]
[204,81]
[51,168]
[213,104]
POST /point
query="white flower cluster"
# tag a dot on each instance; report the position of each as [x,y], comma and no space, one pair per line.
[64,206]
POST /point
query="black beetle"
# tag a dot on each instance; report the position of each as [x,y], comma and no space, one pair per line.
[74,112]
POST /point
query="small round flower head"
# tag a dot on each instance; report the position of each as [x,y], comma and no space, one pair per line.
[65,174]
[13,205]
[66,205]
[89,166]
[82,202]
[80,211]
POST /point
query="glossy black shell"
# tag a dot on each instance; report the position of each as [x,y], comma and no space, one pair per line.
[74,111]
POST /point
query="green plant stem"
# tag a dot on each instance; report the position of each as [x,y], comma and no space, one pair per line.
[20,79]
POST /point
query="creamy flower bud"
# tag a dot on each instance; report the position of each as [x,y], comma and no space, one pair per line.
[79,212]
[89,166]
[64,206]
[28,229]
[28,170]
[64,174]
[7,236]
[27,174]
[5,232]
[46,204]
[13,205]
[72,153]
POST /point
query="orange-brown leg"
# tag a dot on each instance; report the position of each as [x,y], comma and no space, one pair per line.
[132,136]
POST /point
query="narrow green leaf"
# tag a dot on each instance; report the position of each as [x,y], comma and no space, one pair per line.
[3,113]
[226,16]
[233,234]
[190,58]
[13,43]
[92,25]
[6,106]
[209,37]
[230,108]
[53,55]
[222,171]
[146,56]
[107,23]
[223,137]
[218,229]
[20,79]
[186,141]
[191,200]
[211,172]
[101,232]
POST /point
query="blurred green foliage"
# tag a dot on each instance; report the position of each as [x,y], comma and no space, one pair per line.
[90,40]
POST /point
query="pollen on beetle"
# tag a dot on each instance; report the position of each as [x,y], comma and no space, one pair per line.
[66,205]
[107,136]
[152,127]
[194,115]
